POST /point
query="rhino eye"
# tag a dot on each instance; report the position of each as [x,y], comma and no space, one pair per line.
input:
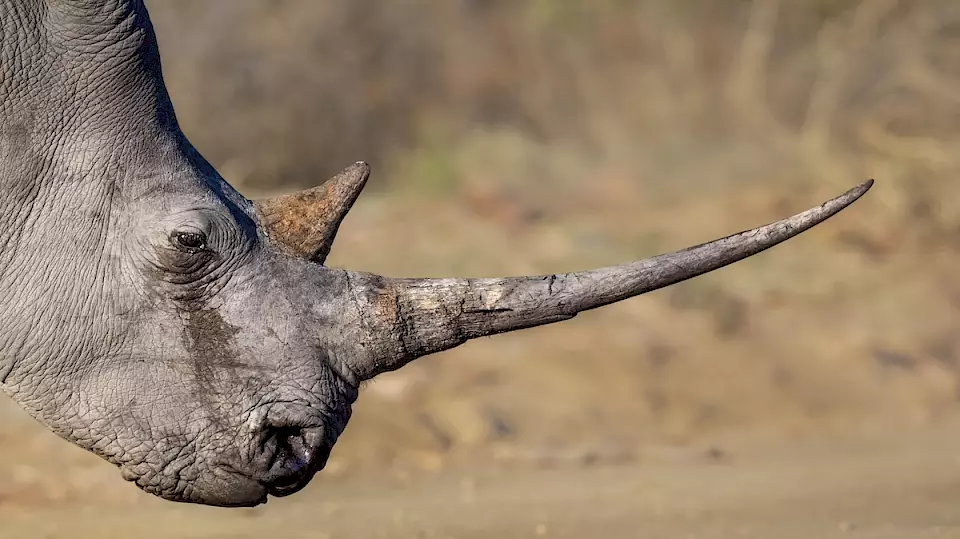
[189,241]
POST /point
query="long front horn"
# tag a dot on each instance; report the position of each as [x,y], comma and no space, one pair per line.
[409,318]
[305,223]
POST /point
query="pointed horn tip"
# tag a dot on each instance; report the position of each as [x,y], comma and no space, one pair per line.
[859,190]
[355,175]
[361,168]
[848,198]
[348,183]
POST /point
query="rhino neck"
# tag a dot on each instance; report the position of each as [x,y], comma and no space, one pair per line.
[78,77]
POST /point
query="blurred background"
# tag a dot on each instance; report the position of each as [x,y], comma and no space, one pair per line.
[556,135]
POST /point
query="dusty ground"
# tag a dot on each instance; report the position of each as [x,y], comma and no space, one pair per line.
[868,485]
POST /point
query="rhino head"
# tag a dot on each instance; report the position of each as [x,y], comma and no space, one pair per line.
[153,315]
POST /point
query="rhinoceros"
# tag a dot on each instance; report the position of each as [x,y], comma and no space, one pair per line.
[194,338]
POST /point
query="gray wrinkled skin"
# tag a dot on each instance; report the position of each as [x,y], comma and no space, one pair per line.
[151,314]
[181,366]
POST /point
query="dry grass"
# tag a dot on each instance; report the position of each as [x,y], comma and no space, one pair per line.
[517,137]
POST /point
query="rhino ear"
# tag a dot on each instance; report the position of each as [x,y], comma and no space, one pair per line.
[305,223]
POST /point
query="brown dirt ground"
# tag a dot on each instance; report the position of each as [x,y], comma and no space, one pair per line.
[887,484]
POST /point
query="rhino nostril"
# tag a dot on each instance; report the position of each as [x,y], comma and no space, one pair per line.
[291,453]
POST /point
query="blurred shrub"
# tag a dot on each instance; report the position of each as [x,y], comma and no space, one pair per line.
[283,93]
